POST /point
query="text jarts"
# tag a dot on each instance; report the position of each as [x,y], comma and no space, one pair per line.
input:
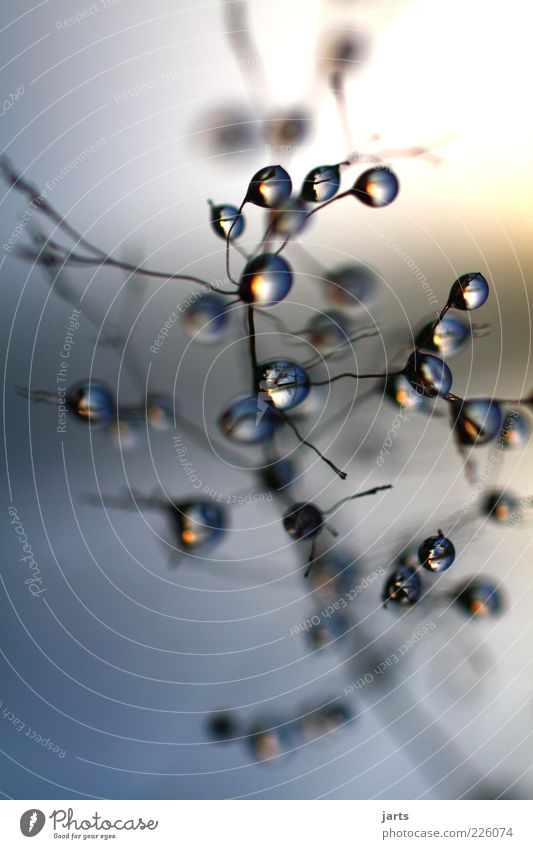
[385,816]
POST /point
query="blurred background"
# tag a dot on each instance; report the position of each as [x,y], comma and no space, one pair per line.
[131,116]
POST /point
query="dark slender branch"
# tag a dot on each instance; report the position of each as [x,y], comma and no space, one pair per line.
[354,376]
[303,441]
[278,322]
[337,86]
[130,500]
[37,199]
[372,491]
[38,396]
[239,35]
[253,348]
[313,212]
[363,333]
[228,237]
[431,330]
[72,258]
[264,239]
[312,556]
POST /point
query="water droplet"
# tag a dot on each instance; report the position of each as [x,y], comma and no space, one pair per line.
[321,184]
[469,292]
[226,217]
[403,586]
[285,382]
[270,187]
[265,281]
[436,553]
[376,187]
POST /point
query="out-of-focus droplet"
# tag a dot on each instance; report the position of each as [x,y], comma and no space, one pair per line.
[502,507]
[126,435]
[160,411]
[449,337]
[476,421]
[480,598]
[332,575]
[199,525]
[230,130]
[249,420]
[344,52]
[328,331]
[222,726]
[399,390]
[515,431]
[91,402]
[290,219]
[428,374]
[303,521]
[326,631]
[270,740]
[279,476]
[286,131]
[351,287]
[206,320]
